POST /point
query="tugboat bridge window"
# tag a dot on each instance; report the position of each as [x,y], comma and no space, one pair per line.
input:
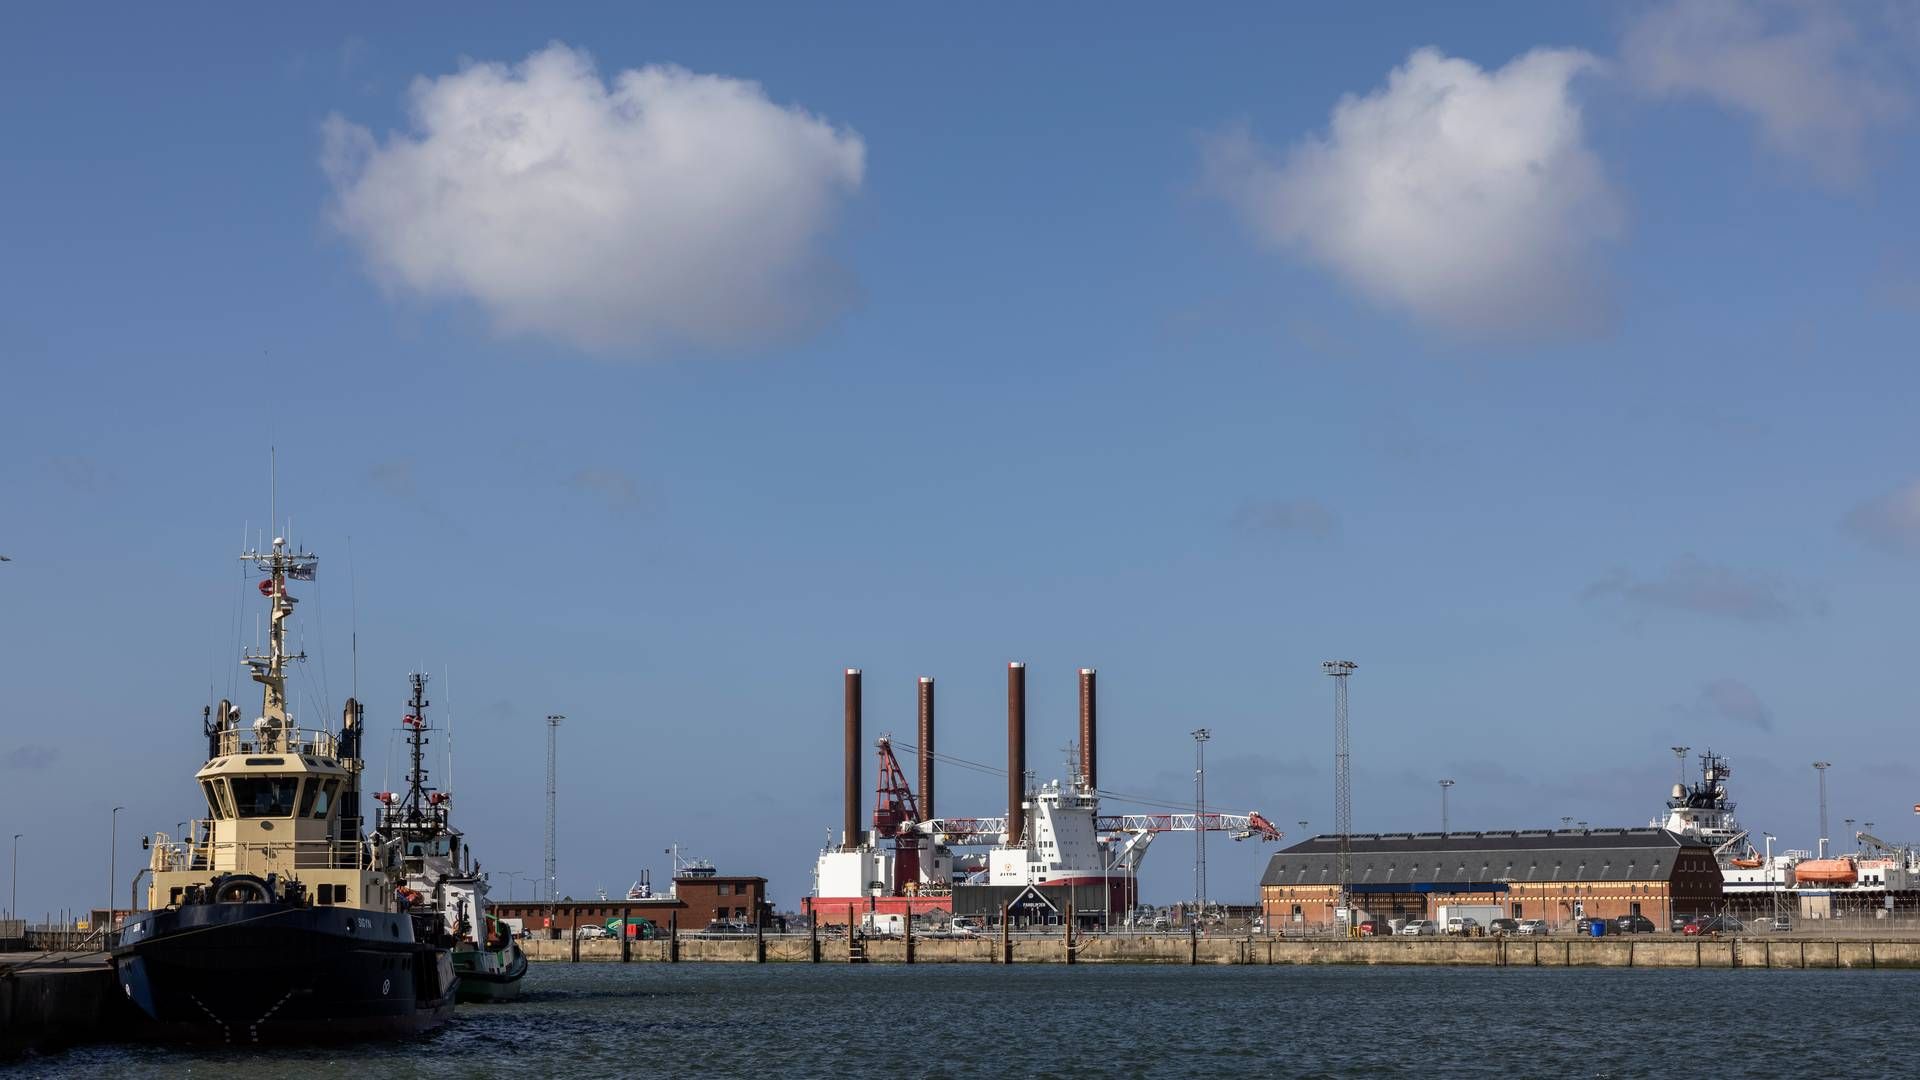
[265,796]
[317,798]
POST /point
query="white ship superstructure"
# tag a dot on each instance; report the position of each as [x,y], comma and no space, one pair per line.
[1704,811]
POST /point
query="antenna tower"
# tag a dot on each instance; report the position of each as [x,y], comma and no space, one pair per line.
[553,793]
[1342,785]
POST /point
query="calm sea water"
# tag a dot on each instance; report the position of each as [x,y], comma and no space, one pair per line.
[740,1020]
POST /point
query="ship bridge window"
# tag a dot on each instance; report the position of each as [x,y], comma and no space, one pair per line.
[265,796]
[317,799]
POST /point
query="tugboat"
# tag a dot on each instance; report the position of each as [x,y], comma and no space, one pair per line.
[274,920]
[441,874]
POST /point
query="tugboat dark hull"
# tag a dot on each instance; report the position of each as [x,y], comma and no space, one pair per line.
[275,973]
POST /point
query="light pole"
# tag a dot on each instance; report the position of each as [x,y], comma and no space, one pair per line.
[1566,822]
[1680,752]
[1200,737]
[1849,822]
[113,840]
[1444,785]
[1821,768]
[13,905]
[511,876]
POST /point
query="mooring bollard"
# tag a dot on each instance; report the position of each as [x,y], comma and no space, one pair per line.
[760,940]
[1006,939]
[673,937]
[909,932]
[813,935]
[626,934]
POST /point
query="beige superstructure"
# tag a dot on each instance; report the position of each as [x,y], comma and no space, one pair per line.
[282,801]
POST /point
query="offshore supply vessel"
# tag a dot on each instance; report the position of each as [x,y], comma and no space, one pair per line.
[274,919]
[441,875]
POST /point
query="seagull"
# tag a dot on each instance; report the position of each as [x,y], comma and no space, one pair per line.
[3,558]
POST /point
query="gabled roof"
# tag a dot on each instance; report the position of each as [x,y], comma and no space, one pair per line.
[1543,855]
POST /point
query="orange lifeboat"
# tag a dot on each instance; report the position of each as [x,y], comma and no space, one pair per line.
[1825,872]
[1750,863]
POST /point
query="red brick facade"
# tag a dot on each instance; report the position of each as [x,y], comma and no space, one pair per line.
[696,902]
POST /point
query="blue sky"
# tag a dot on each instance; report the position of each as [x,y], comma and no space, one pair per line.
[1562,377]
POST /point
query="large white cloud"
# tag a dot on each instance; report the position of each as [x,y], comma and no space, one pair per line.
[1805,72]
[660,208]
[1467,197]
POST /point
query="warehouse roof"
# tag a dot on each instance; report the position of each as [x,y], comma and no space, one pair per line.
[1414,859]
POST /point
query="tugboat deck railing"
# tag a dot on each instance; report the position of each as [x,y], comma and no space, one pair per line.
[258,858]
[300,741]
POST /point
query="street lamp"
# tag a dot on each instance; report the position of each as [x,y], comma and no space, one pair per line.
[511,876]
[1821,768]
[113,839]
[1444,785]
[13,905]
[1200,737]
[1566,822]
[1680,752]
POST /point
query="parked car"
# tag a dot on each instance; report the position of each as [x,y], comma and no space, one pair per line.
[1780,923]
[1584,925]
[726,926]
[964,926]
[1162,923]
[1463,926]
[1714,924]
[1372,928]
[1632,924]
[1420,928]
[1503,927]
[591,933]
[1533,928]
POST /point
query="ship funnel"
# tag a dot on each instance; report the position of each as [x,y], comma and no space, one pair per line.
[850,836]
[926,748]
[1016,753]
[1088,724]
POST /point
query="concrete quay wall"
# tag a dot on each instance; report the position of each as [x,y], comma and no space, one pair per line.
[1624,952]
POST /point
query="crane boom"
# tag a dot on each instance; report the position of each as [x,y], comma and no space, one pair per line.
[975,832]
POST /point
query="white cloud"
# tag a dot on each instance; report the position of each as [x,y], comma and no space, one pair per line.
[1467,197]
[1890,522]
[1695,585]
[1803,71]
[1310,517]
[661,207]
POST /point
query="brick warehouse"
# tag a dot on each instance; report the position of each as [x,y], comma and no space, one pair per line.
[696,900]
[1556,875]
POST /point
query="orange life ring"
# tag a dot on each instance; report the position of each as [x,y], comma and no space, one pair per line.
[266,587]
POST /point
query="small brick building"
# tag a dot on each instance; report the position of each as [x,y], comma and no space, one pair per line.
[696,900]
[1556,875]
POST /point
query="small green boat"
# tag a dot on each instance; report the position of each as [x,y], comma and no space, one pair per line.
[489,974]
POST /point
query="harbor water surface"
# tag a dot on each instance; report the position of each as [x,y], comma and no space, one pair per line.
[790,1020]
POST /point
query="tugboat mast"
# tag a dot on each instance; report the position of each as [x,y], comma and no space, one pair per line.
[419,807]
[269,668]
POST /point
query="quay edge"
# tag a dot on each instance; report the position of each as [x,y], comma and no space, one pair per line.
[1782,952]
